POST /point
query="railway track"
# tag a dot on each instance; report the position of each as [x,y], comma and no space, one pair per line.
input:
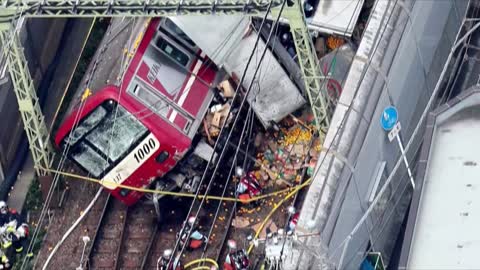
[123,236]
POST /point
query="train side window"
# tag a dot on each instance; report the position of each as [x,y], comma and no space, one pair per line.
[162,157]
[173,52]
[187,126]
[178,33]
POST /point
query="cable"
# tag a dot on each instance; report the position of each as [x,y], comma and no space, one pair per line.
[383,222]
[250,112]
[70,230]
[56,177]
[61,164]
[324,82]
[168,193]
[150,109]
[200,261]
[347,113]
[222,131]
[241,106]
[410,141]
[274,209]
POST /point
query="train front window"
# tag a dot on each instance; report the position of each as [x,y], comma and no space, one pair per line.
[105,136]
[89,159]
[86,125]
[118,131]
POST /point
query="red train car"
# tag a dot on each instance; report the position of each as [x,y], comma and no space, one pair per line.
[136,133]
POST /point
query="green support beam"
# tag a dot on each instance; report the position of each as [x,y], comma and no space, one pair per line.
[315,81]
[32,117]
[131,8]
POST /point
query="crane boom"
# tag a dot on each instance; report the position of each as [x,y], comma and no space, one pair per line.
[30,110]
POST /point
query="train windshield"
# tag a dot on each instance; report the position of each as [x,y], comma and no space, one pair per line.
[104,137]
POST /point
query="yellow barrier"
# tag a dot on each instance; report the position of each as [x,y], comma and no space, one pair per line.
[169,193]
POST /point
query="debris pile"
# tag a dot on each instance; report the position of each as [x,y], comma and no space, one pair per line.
[282,155]
[218,113]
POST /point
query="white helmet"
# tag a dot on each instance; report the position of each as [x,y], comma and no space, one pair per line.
[3,207]
[239,171]
[232,244]
[167,253]
[292,210]
[191,220]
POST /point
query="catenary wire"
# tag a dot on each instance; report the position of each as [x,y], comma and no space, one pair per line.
[410,141]
[228,137]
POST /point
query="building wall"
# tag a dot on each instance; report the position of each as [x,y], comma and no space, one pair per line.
[40,40]
[426,38]
[401,69]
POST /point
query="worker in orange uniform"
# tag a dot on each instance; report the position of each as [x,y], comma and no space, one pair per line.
[174,265]
[249,186]
[236,259]
[196,239]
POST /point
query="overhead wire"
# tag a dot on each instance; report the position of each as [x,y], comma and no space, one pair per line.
[150,109]
[382,222]
[56,177]
[85,212]
[67,148]
[250,119]
[273,45]
[409,143]
[345,116]
[226,185]
[331,68]
[61,163]
[228,138]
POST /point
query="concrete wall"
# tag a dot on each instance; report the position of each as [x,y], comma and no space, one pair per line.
[40,40]
[402,72]
[411,77]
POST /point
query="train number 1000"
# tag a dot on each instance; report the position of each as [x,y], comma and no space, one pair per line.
[145,150]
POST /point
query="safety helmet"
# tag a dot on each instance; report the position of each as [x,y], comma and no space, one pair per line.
[191,220]
[167,253]
[291,210]
[3,207]
[239,171]
[232,244]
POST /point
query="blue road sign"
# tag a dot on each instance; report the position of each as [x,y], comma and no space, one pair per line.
[389,118]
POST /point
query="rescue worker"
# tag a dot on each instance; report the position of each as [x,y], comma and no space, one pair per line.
[249,186]
[174,265]
[13,230]
[4,261]
[236,259]
[196,239]
[293,219]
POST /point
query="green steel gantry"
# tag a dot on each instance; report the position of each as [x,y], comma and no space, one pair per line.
[33,119]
